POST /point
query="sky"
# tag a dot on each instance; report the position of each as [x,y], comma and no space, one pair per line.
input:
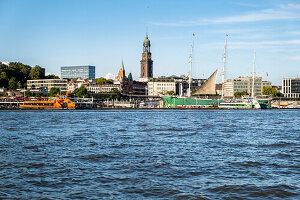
[55,33]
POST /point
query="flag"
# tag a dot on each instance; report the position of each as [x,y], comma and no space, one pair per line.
[267,74]
[193,34]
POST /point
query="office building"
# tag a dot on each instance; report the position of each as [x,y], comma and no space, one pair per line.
[291,87]
[158,86]
[82,72]
[182,84]
[45,85]
[96,88]
[242,84]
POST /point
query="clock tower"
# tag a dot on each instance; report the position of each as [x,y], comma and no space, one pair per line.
[146,62]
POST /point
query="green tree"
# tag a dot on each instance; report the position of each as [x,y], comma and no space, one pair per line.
[270,91]
[27,93]
[13,83]
[53,91]
[20,71]
[36,73]
[51,76]
[239,94]
[3,79]
[82,92]
[37,94]
[3,94]
[116,94]
[101,81]
[170,92]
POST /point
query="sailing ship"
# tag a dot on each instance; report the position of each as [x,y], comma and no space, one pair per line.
[192,102]
[207,87]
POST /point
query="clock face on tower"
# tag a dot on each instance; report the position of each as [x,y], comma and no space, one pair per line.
[144,56]
[149,56]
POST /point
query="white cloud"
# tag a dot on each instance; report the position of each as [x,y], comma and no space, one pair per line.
[284,12]
[294,57]
[291,6]
[274,44]
[242,30]
[264,15]
[110,76]
[294,32]
[246,4]
[264,44]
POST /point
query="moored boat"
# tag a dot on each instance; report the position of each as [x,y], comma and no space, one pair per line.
[60,102]
[186,102]
[245,103]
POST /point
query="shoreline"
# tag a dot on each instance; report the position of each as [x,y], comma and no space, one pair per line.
[18,109]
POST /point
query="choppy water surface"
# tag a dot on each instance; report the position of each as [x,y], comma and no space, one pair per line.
[152,154]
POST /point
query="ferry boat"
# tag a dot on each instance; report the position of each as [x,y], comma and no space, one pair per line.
[60,102]
[249,103]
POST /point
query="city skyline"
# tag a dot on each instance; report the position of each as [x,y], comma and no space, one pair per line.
[54,34]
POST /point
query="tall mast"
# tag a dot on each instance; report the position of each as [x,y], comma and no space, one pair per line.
[224,65]
[253,75]
[190,72]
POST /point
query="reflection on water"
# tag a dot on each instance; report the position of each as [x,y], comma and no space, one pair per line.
[134,154]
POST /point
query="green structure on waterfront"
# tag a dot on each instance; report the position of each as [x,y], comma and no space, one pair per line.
[184,102]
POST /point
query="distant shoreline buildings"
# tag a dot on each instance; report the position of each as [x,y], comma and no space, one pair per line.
[74,77]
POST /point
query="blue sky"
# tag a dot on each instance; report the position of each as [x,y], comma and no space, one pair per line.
[102,33]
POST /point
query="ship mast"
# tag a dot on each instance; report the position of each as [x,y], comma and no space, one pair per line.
[253,75]
[224,65]
[190,72]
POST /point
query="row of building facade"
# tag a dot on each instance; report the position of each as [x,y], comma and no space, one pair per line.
[150,86]
[244,84]
[163,85]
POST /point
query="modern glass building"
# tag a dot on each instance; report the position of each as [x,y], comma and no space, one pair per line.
[291,87]
[82,72]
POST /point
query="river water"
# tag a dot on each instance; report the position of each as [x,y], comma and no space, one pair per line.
[150,154]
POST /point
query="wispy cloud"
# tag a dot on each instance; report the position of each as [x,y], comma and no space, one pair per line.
[294,32]
[264,15]
[274,44]
[283,12]
[291,6]
[264,44]
[294,57]
[242,30]
[245,4]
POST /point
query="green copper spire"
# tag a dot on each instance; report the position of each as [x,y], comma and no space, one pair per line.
[146,41]
[122,66]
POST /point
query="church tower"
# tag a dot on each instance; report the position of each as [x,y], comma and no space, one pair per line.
[146,62]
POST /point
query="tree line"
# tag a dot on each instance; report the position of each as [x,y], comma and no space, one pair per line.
[266,91]
[16,74]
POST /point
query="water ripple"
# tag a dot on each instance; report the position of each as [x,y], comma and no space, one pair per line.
[150,154]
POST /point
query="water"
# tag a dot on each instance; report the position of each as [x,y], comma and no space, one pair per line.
[151,154]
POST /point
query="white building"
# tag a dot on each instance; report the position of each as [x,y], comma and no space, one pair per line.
[242,84]
[229,88]
[102,88]
[45,85]
[291,87]
[158,86]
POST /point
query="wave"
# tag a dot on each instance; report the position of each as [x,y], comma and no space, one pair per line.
[280,191]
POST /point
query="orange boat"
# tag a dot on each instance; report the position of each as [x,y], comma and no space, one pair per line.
[61,102]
